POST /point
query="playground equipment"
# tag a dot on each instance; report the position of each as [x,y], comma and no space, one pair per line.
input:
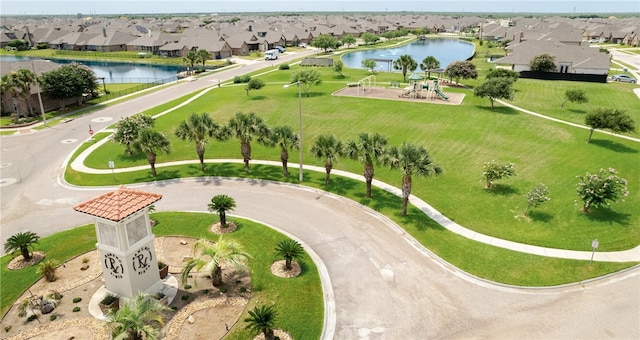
[364,85]
[438,91]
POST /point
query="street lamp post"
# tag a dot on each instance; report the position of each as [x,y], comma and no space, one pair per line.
[104,87]
[299,125]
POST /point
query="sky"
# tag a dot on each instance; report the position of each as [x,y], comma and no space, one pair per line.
[95,7]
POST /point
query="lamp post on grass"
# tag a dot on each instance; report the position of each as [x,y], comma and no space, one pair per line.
[299,125]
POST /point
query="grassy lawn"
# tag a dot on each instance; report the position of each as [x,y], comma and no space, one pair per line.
[298,301]
[460,139]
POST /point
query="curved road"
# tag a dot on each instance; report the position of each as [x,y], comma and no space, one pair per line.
[384,286]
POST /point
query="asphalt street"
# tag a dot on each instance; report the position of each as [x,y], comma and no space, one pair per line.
[383,285]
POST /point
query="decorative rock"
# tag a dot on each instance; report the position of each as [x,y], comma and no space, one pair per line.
[46,307]
[84,266]
[183,242]
[191,319]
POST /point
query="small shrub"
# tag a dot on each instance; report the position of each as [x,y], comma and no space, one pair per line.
[76,309]
[174,308]
[241,79]
[52,317]
[32,317]
[85,260]
[7,328]
[243,289]
[184,297]
[223,290]
[159,295]
[161,265]
[187,286]
[283,67]
[109,299]
[77,299]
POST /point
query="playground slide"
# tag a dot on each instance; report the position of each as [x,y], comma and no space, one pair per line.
[441,94]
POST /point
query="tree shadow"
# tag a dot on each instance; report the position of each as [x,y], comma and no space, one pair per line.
[257,97]
[417,219]
[339,185]
[608,216]
[613,146]
[502,189]
[540,216]
[161,175]
[578,111]
[497,109]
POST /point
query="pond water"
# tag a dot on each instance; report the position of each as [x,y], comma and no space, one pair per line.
[115,72]
[445,50]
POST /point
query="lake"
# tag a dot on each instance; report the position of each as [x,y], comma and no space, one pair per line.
[117,72]
[445,50]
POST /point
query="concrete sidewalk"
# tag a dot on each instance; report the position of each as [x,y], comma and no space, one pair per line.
[631,255]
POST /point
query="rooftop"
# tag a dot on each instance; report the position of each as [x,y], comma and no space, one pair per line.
[118,204]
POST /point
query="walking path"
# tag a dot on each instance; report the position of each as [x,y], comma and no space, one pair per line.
[631,255]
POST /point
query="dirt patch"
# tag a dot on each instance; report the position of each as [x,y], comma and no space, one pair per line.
[397,94]
[218,229]
[278,269]
[18,262]
[210,307]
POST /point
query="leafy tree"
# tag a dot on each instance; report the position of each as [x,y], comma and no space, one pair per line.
[68,81]
[254,84]
[128,130]
[212,256]
[494,88]
[289,249]
[493,171]
[536,196]
[599,189]
[244,127]
[367,149]
[429,63]
[575,96]
[503,73]
[18,44]
[369,64]
[411,160]
[203,55]
[307,78]
[150,142]
[221,204]
[607,118]
[283,137]
[190,59]
[348,40]
[543,63]
[47,268]
[338,65]
[325,42]
[461,69]
[329,148]
[369,38]
[138,319]
[262,319]
[197,128]
[21,241]
[405,63]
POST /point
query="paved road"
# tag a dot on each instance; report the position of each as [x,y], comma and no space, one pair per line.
[384,286]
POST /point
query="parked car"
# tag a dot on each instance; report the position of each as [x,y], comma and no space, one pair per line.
[303,45]
[280,48]
[624,78]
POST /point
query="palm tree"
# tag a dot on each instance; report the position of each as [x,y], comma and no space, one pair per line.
[21,241]
[222,252]
[190,59]
[151,142]
[289,249]
[405,62]
[262,319]
[138,319]
[367,149]
[411,160]
[197,128]
[284,137]
[8,85]
[245,127]
[429,63]
[221,204]
[22,79]
[203,56]
[328,148]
